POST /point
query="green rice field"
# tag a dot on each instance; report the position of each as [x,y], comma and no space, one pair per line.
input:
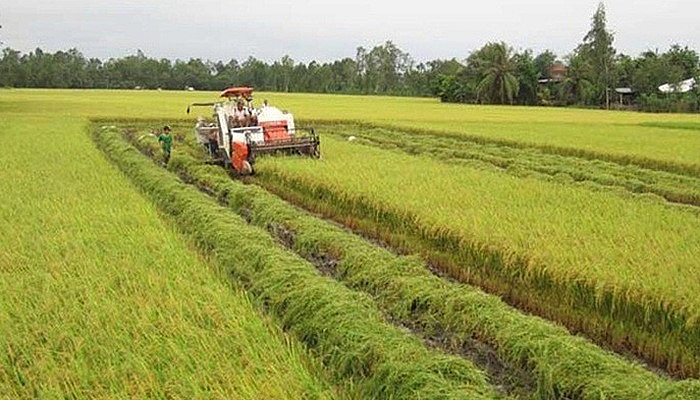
[448,251]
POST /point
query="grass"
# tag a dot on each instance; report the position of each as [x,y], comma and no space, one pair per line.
[99,298]
[623,134]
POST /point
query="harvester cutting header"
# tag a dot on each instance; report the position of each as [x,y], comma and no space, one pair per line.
[241,132]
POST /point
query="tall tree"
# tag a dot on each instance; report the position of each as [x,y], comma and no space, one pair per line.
[383,69]
[345,75]
[653,69]
[366,72]
[12,72]
[227,74]
[437,70]
[254,73]
[286,68]
[685,59]
[625,71]
[94,72]
[598,52]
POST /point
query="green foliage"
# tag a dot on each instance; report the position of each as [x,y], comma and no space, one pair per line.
[527,74]
[385,69]
[686,60]
[673,102]
[578,87]
[598,53]
[543,62]
[492,74]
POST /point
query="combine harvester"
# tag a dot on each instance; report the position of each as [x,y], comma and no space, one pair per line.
[267,130]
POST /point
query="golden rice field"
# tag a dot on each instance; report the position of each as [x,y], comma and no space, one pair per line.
[123,279]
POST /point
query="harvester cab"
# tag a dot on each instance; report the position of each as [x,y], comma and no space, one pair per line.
[241,132]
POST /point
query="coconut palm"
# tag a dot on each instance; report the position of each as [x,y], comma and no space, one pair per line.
[496,65]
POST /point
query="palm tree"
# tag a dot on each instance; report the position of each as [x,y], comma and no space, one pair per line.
[576,88]
[496,65]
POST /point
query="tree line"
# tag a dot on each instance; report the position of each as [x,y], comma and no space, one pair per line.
[593,75]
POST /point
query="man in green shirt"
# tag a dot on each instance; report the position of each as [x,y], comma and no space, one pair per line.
[167,142]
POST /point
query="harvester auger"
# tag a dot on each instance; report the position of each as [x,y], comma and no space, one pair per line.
[240,133]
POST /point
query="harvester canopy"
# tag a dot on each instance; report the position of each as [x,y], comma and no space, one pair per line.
[238,91]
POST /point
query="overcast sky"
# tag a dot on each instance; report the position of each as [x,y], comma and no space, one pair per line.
[330,30]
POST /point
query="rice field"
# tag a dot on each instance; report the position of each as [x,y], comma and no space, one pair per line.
[673,184]
[445,313]
[122,279]
[577,250]
[100,298]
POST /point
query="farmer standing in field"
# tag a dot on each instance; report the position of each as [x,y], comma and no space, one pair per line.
[167,142]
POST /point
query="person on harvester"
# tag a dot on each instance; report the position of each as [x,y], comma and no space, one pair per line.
[240,116]
[166,140]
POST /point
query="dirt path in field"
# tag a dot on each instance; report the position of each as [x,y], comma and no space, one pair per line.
[475,350]
[507,379]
